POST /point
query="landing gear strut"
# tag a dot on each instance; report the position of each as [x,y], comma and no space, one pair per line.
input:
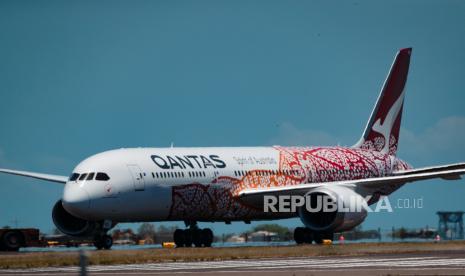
[193,236]
[305,235]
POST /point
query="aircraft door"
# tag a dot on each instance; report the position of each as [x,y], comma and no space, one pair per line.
[137,177]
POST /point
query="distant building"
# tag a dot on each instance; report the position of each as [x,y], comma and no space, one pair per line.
[123,235]
[263,236]
[235,238]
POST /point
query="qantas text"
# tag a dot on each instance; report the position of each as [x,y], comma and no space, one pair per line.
[188,161]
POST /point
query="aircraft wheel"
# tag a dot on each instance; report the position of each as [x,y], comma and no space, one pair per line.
[299,235]
[196,237]
[98,244]
[309,236]
[318,238]
[188,238]
[207,237]
[178,237]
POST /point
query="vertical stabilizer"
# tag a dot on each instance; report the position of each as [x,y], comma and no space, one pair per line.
[382,130]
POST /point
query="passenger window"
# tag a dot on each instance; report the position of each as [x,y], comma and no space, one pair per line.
[91,176]
[102,177]
[74,177]
[83,176]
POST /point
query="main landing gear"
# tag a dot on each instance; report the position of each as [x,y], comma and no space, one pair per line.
[193,236]
[305,235]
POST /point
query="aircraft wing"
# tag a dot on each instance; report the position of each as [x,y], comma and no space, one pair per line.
[448,172]
[42,176]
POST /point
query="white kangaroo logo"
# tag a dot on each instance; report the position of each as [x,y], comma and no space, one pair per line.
[385,128]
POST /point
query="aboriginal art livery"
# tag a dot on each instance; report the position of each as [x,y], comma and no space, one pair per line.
[225,184]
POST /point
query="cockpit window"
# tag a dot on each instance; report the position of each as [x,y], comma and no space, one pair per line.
[90,176]
[102,177]
[83,176]
[74,177]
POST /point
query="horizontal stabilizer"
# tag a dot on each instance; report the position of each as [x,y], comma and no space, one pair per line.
[456,166]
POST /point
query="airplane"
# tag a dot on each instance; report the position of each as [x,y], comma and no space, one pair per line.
[225,184]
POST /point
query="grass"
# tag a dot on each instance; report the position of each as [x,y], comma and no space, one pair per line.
[45,259]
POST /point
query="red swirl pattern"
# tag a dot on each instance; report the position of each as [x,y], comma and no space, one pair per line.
[216,201]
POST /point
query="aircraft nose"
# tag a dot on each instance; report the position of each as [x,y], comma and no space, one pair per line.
[75,199]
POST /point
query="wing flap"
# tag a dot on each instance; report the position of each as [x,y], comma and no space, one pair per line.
[41,176]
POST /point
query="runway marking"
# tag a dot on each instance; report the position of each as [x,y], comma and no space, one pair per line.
[338,263]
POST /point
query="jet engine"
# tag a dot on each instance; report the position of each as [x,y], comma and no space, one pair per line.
[344,211]
[71,225]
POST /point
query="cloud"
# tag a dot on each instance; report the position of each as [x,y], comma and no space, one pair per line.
[289,135]
[446,139]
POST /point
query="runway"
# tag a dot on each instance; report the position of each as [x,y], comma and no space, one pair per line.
[405,264]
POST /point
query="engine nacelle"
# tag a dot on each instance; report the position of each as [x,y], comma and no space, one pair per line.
[346,215]
[71,225]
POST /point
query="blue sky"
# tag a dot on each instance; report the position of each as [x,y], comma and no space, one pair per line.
[81,77]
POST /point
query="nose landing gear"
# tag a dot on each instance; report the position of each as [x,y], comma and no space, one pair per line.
[103,242]
[193,236]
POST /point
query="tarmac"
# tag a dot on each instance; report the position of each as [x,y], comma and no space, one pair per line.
[429,263]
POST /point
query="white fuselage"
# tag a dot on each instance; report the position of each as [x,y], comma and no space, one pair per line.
[157,184]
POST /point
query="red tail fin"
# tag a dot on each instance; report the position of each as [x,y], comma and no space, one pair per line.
[382,130]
